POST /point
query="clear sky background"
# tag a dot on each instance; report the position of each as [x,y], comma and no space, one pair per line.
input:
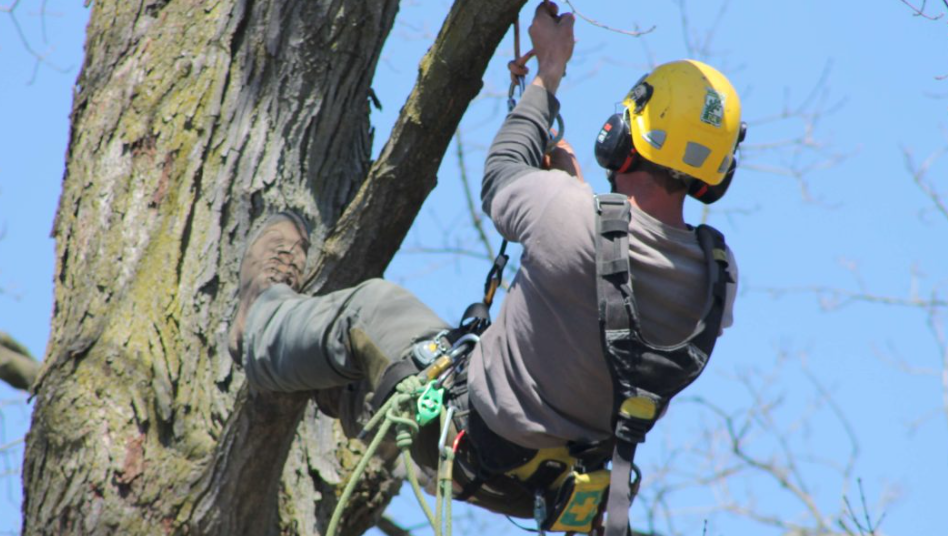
[825,207]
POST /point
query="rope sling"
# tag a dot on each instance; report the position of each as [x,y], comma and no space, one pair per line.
[415,402]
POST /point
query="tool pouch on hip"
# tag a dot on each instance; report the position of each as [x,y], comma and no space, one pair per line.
[578,502]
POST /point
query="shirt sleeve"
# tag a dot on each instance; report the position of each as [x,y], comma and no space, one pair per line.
[521,208]
[518,148]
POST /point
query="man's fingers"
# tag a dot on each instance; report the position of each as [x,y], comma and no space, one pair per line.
[548,8]
[568,20]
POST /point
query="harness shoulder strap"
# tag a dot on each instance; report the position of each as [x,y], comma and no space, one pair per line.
[613,276]
[635,409]
[616,312]
[715,252]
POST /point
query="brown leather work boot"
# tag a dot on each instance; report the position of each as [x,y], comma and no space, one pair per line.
[277,254]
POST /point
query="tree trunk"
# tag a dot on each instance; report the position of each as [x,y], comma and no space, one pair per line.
[192,121]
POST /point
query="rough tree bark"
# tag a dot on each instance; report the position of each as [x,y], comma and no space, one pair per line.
[192,121]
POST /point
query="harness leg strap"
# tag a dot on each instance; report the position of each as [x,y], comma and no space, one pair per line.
[620,493]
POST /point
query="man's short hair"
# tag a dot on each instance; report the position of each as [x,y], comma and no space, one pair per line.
[671,181]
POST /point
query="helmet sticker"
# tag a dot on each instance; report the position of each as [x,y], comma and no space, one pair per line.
[604,132]
[713,111]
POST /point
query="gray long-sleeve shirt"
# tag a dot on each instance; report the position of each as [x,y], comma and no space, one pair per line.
[538,377]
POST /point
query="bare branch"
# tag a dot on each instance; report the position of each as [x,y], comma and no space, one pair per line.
[449,251]
[390,528]
[17,367]
[42,58]
[867,529]
[736,435]
[920,11]
[594,22]
[697,47]
[919,173]
[476,220]
[843,420]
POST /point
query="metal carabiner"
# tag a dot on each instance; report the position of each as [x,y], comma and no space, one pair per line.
[520,83]
[557,136]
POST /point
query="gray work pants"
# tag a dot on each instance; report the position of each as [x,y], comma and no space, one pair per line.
[339,343]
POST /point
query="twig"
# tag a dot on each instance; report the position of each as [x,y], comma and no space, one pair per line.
[920,11]
[41,59]
[841,417]
[696,48]
[476,220]
[594,22]
[17,366]
[919,173]
[834,298]
[448,251]
[869,529]
[736,437]
[938,332]
[390,528]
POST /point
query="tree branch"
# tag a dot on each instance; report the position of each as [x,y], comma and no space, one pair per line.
[17,366]
[373,226]
[390,528]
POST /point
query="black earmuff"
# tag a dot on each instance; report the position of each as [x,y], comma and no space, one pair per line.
[614,150]
[707,193]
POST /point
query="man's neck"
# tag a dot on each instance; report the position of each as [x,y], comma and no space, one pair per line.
[651,198]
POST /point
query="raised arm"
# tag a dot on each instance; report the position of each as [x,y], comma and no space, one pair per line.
[519,145]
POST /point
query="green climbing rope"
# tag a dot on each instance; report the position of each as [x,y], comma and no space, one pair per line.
[400,410]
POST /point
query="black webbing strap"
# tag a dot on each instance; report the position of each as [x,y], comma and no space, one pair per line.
[715,250]
[620,495]
[476,319]
[495,277]
[618,317]
[614,295]
[393,375]
[613,276]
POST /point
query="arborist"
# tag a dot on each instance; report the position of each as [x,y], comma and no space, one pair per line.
[615,308]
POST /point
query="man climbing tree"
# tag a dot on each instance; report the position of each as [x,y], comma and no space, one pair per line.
[615,309]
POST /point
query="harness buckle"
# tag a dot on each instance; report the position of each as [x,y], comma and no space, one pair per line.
[539,511]
[609,199]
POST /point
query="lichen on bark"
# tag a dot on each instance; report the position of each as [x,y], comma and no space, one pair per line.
[192,121]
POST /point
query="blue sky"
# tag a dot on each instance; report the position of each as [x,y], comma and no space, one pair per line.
[858,84]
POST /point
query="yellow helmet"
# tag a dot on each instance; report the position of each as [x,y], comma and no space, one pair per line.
[686,116]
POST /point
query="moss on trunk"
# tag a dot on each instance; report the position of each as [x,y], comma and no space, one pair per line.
[192,121]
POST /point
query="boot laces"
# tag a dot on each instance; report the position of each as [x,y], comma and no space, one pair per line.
[281,268]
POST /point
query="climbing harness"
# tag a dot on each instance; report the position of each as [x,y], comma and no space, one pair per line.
[645,376]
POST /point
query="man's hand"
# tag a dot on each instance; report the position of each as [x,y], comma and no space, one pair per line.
[553,41]
[563,158]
